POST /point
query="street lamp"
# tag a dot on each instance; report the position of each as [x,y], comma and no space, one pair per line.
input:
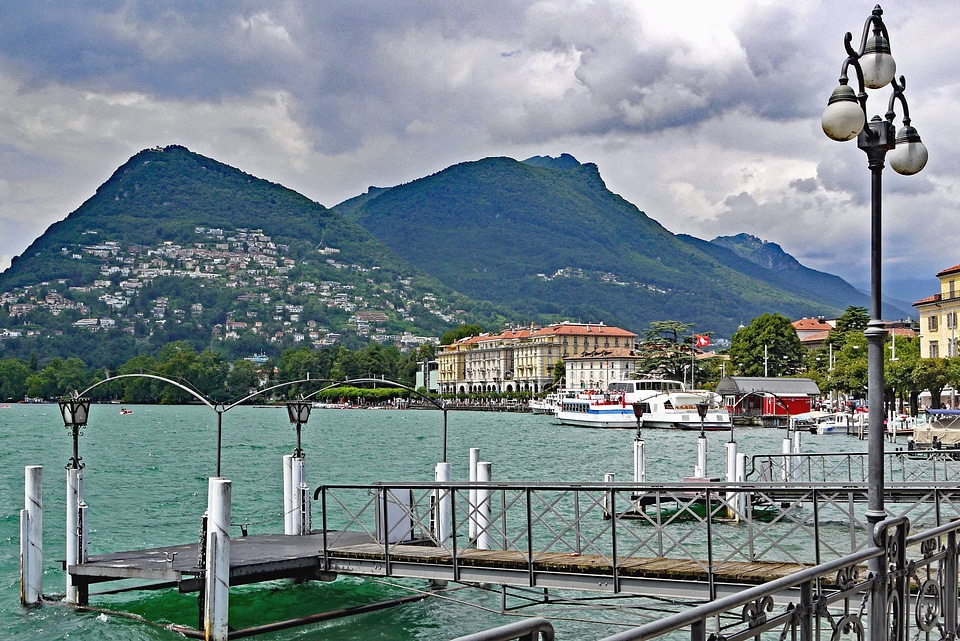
[845,118]
[299,413]
[74,411]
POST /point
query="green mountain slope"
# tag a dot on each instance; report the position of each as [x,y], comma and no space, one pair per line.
[549,237]
[177,246]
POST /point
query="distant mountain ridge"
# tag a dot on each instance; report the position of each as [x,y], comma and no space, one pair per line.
[178,246]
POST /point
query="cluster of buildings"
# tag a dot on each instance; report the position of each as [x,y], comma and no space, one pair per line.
[938,317]
[247,260]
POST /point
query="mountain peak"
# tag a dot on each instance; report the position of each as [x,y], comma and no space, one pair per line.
[563,161]
[762,252]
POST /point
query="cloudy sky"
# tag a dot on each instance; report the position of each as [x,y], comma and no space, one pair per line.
[704,114]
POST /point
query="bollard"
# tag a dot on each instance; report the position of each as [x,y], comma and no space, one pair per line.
[444,503]
[298,518]
[639,461]
[785,448]
[288,526]
[31,536]
[74,531]
[700,471]
[484,496]
[796,465]
[743,498]
[731,496]
[217,601]
[474,459]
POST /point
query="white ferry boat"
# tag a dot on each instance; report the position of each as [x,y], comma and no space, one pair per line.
[545,405]
[660,403]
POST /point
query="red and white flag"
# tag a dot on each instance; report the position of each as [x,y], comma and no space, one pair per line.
[702,340]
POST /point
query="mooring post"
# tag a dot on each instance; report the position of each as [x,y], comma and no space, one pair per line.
[796,465]
[608,479]
[296,485]
[743,500]
[288,493]
[31,537]
[785,449]
[217,598]
[74,532]
[484,495]
[731,496]
[639,460]
[474,459]
[700,471]
[444,504]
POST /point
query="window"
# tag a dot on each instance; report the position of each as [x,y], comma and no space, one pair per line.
[932,322]
[934,349]
[951,286]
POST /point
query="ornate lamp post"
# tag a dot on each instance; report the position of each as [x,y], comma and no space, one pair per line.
[299,413]
[74,411]
[845,118]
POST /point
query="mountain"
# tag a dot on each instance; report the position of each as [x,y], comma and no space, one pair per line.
[546,236]
[177,246]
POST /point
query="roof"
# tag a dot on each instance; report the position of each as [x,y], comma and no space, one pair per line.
[779,386]
[928,300]
[948,270]
[812,325]
[584,329]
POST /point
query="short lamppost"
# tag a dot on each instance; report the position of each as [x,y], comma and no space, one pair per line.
[74,411]
[845,118]
[296,501]
[299,413]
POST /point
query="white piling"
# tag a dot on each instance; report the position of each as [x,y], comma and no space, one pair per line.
[217,600]
[700,471]
[484,510]
[743,501]
[74,530]
[288,494]
[444,514]
[639,461]
[474,459]
[796,465]
[31,536]
[299,517]
[785,448]
[731,496]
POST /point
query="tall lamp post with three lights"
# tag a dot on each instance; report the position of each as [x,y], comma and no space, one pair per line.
[845,118]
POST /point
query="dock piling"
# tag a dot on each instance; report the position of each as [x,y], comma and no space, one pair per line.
[31,537]
[444,503]
[288,526]
[484,494]
[74,531]
[217,597]
[474,459]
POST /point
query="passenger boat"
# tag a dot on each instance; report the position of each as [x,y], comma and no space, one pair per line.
[659,404]
[822,423]
[545,405]
[941,433]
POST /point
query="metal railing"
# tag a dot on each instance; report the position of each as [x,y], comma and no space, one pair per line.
[708,525]
[526,630]
[906,598]
[929,466]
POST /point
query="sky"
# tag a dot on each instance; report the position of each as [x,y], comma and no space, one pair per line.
[704,114]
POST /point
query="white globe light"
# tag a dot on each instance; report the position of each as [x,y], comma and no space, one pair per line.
[910,154]
[843,118]
[877,64]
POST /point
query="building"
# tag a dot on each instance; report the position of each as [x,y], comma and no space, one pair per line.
[594,369]
[813,332]
[521,360]
[938,316]
[758,396]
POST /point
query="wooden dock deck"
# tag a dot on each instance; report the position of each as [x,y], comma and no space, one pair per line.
[275,556]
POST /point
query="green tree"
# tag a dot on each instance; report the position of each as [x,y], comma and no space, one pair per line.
[769,346]
[932,374]
[243,379]
[664,348]
[463,331]
[13,379]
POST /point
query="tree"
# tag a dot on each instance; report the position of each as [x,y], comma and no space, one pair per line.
[242,380]
[463,331]
[932,374]
[769,346]
[13,379]
[664,348]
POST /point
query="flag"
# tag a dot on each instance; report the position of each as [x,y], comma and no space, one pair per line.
[702,340]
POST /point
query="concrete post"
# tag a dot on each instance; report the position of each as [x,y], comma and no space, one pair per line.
[474,459]
[217,600]
[74,532]
[31,537]
[484,495]
[444,515]
[288,494]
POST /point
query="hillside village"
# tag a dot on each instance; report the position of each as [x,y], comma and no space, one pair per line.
[271,302]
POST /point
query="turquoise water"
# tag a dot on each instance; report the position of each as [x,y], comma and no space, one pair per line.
[146,478]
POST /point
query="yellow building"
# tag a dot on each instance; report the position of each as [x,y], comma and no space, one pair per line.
[938,317]
[521,360]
